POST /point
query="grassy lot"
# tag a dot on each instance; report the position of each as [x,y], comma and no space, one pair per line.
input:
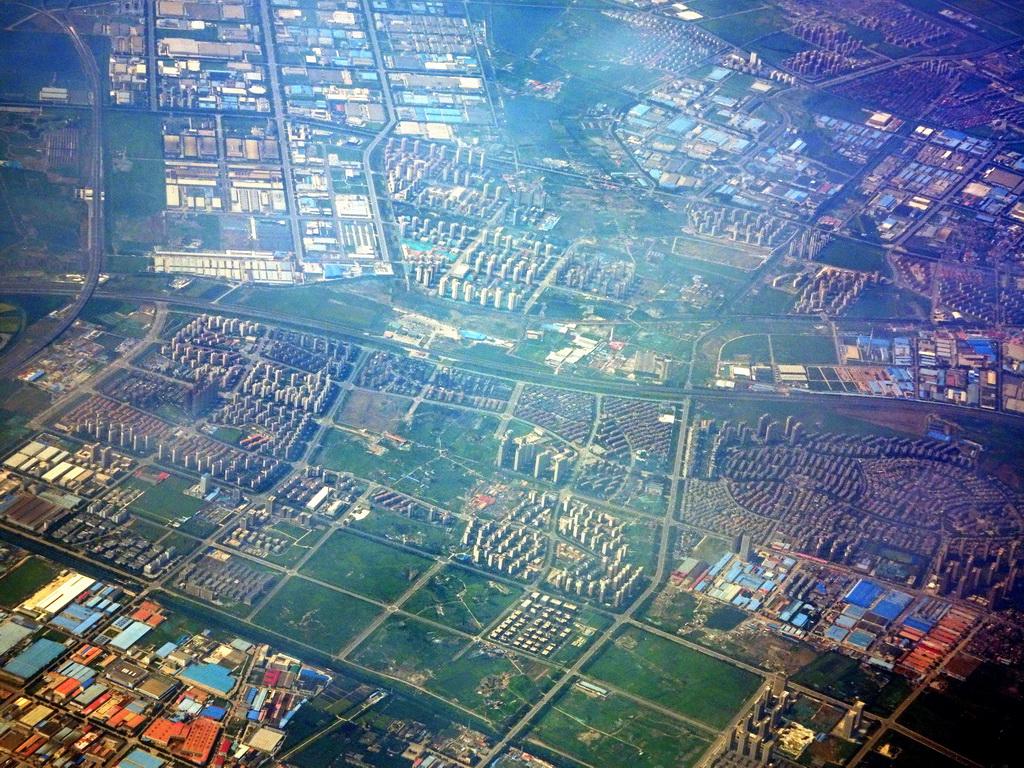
[315,615]
[165,501]
[464,433]
[743,28]
[844,678]
[800,349]
[426,536]
[616,731]
[364,566]
[495,686]
[853,254]
[461,599]
[672,611]
[135,177]
[675,676]
[907,753]
[316,302]
[24,580]
[418,471]
[751,348]
[973,717]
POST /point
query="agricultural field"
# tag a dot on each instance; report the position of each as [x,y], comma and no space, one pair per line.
[674,676]
[315,615]
[365,566]
[613,730]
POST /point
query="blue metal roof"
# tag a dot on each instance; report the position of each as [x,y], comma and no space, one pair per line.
[34,658]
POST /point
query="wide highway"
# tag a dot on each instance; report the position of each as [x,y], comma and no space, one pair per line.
[32,344]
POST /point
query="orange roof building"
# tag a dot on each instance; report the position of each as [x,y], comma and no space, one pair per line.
[202,736]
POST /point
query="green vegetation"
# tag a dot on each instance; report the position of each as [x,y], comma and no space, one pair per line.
[854,254]
[436,539]
[675,676]
[973,717]
[24,580]
[752,348]
[672,610]
[844,678]
[612,730]
[165,501]
[743,28]
[315,615]
[316,302]
[461,599]
[118,317]
[135,180]
[495,686]
[365,566]
[905,752]
[802,349]
[467,434]
[417,470]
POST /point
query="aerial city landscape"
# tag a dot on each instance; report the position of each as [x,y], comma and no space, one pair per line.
[511,383]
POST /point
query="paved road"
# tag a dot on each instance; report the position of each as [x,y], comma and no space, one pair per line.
[519,373]
[664,548]
[30,344]
[389,108]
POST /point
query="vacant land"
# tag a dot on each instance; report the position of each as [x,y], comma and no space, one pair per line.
[495,686]
[166,500]
[418,471]
[616,731]
[461,599]
[315,615]
[373,411]
[463,433]
[24,580]
[437,539]
[842,677]
[675,676]
[365,566]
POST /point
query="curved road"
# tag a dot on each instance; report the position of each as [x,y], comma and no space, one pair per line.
[28,347]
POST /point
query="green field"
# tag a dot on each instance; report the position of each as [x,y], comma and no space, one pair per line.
[165,500]
[853,254]
[844,678]
[745,27]
[365,566]
[461,599]
[801,349]
[675,676]
[24,580]
[315,615]
[467,434]
[432,538]
[135,180]
[752,348]
[418,471]
[495,686]
[974,716]
[906,753]
[616,731]
[673,610]
[316,302]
